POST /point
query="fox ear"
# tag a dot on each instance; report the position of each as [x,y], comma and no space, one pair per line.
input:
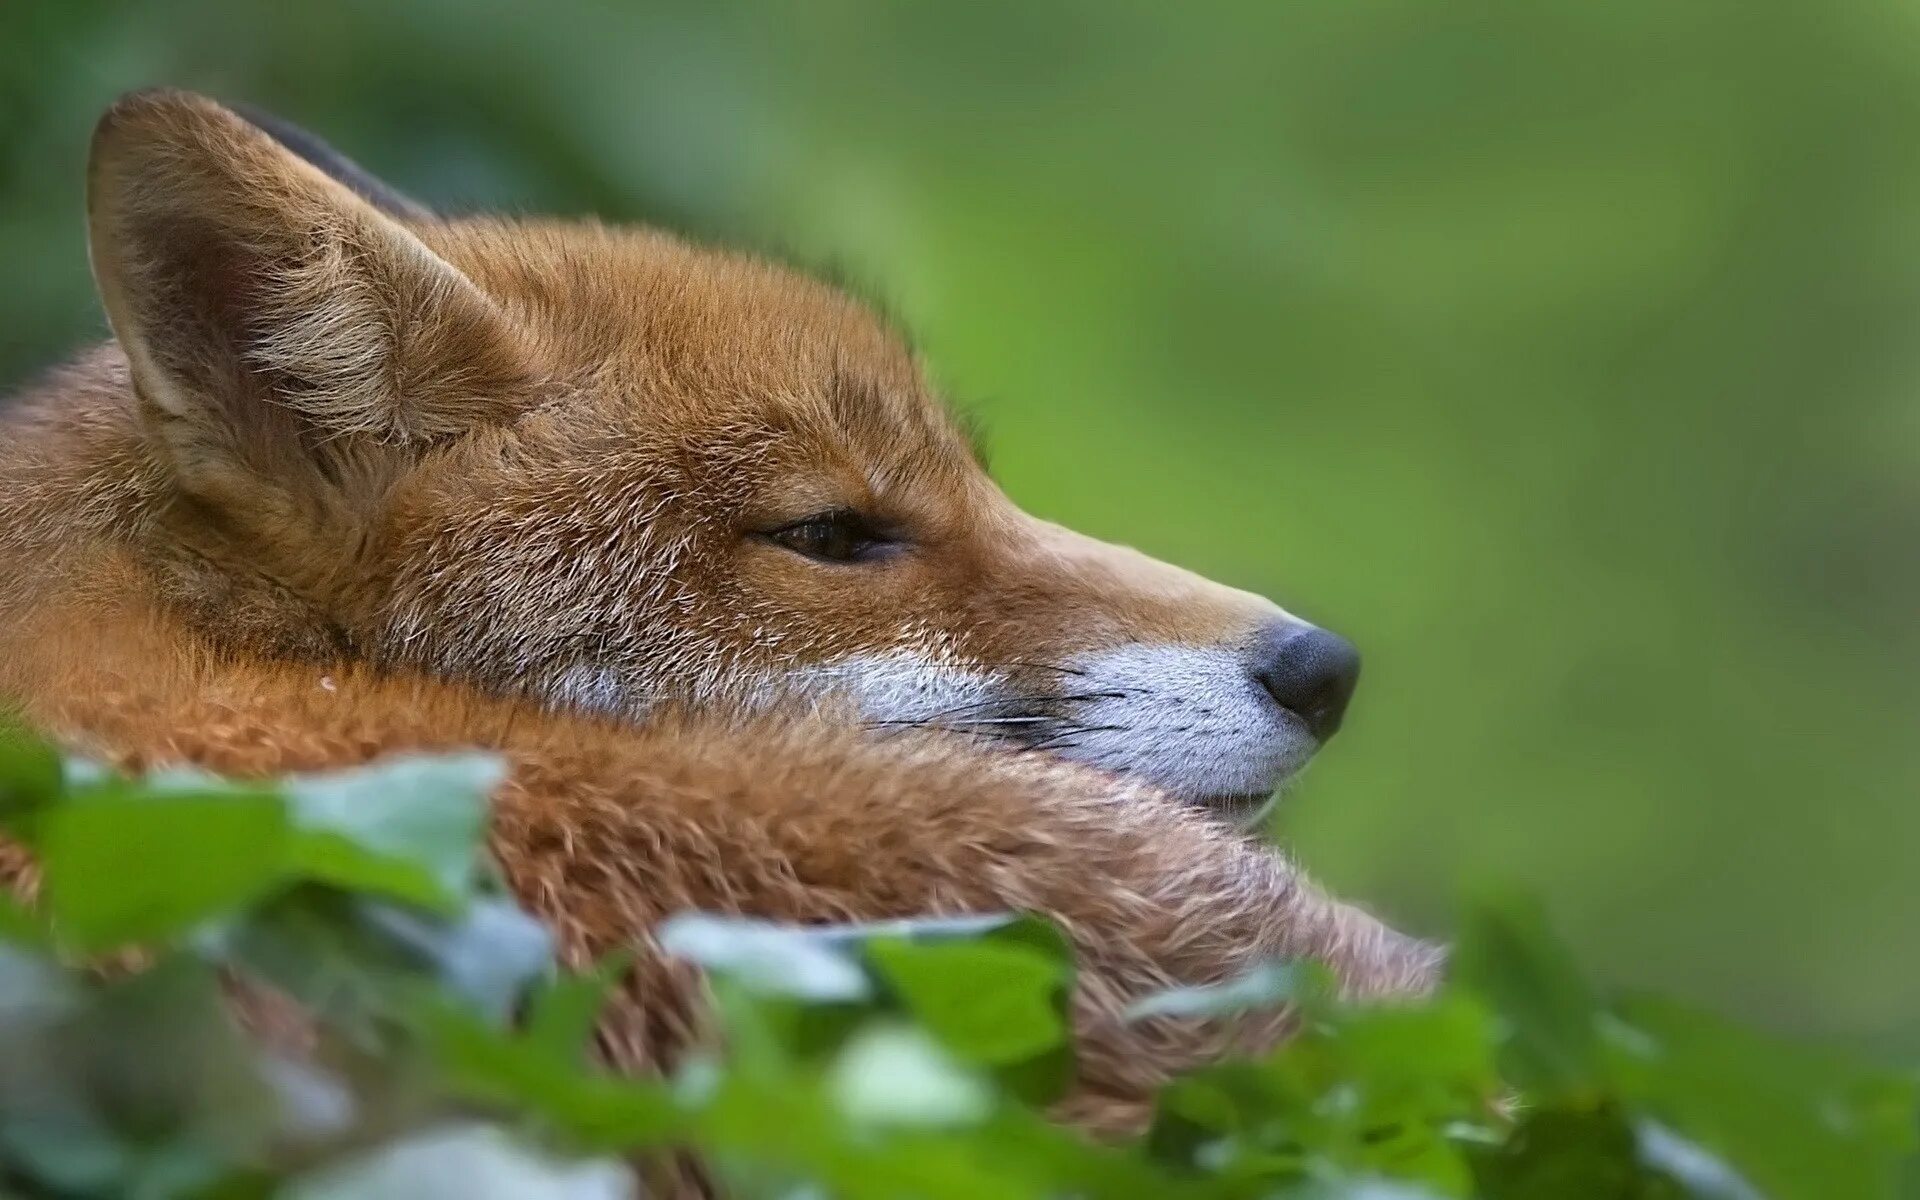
[285,334]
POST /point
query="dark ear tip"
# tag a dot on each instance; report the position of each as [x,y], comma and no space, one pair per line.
[344,170]
[178,116]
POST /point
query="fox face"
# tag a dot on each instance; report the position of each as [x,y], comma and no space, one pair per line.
[609,470]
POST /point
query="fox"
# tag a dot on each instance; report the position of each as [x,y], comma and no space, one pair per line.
[687,538]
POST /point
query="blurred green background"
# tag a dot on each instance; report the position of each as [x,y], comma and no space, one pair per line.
[1562,354]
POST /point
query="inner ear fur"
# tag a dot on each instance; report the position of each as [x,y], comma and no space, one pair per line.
[291,343]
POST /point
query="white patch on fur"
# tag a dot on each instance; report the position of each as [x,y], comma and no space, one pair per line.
[1190,719]
[588,687]
[902,687]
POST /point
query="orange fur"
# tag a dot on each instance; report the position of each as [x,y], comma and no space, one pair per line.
[353,482]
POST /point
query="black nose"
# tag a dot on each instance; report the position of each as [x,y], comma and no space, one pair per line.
[1309,672]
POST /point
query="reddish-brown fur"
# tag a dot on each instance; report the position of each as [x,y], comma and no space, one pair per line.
[546,389]
[350,485]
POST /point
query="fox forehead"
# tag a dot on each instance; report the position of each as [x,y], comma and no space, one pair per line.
[636,332]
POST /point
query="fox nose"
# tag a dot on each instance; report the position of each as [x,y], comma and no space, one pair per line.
[1309,672]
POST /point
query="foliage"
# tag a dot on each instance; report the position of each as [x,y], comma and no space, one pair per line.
[1559,353]
[436,1051]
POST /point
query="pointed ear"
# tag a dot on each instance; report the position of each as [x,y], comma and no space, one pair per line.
[290,341]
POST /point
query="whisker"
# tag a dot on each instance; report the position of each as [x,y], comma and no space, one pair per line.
[1011,721]
[1048,745]
[941,722]
[937,717]
[1033,666]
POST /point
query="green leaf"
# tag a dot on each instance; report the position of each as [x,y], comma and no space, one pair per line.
[897,1076]
[124,867]
[1570,1152]
[989,1003]
[489,955]
[1369,1189]
[73,1156]
[162,1050]
[1802,1124]
[139,1088]
[335,859]
[314,944]
[1509,957]
[967,928]
[1266,985]
[563,1012]
[1430,1063]
[31,778]
[1698,1174]
[33,991]
[21,925]
[360,963]
[411,828]
[994,989]
[464,1162]
[1237,1118]
[1365,1092]
[768,958]
[481,1062]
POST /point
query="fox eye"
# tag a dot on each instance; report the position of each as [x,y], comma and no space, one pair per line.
[841,536]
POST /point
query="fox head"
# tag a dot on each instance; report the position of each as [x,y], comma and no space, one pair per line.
[607,469]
